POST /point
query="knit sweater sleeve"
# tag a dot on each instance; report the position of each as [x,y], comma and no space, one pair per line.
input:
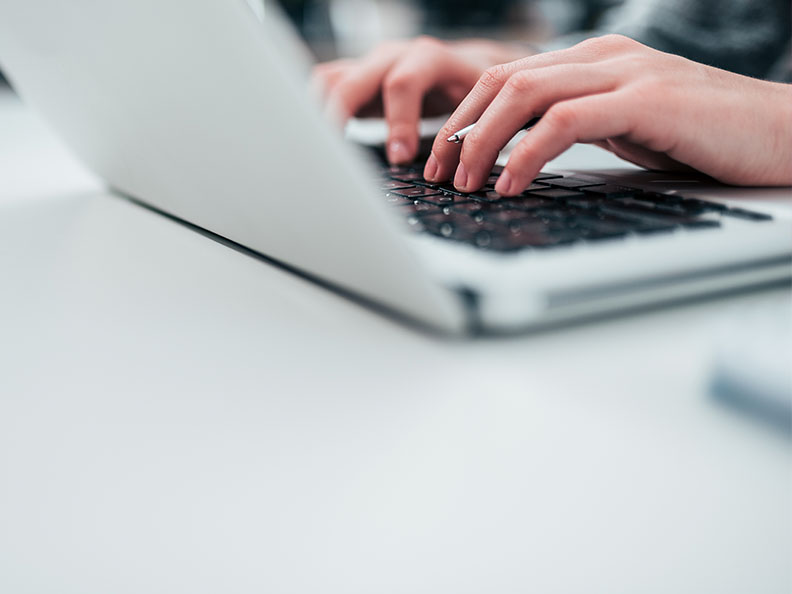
[744,36]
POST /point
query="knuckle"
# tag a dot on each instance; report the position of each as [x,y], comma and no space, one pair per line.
[520,82]
[322,72]
[617,40]
[342,97]
[471,146]
[396,83]
[523,153]
[561,116]
[386,46]
[493,77]
[320,69]
[402,129]
[344,88]
[607,44]
[427,43]
[652,86]
[447,130]
[441,149]
[630,64]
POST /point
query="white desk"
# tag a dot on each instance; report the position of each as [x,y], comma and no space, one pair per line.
[177,417]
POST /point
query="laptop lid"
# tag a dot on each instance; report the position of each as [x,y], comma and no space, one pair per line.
[201,109]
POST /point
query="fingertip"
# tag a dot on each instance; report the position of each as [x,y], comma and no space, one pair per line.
[444,158]
[399,152]
[430,170]
[461,178]
[506,184]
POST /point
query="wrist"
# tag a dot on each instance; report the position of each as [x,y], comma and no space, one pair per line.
[781,172]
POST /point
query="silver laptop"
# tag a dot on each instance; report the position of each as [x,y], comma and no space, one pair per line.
[200,110]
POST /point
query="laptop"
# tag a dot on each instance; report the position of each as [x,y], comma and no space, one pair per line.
[200,111]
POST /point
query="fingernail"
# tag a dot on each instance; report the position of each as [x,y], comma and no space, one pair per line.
[397,152]
[461,177]
[504,183]
[430,171]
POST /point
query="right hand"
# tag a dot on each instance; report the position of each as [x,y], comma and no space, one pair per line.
[405,80]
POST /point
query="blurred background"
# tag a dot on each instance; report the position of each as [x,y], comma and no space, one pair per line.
[339,28]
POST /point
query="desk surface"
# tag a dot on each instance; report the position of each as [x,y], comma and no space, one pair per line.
[176,416]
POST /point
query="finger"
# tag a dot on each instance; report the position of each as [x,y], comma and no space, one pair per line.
[492,81]
[361,83]
[426,66]
[325,76]
[585,119]
[526,94]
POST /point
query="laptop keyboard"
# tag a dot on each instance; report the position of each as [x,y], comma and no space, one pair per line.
[553,211]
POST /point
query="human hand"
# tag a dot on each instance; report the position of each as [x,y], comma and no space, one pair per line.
[654,109]
[407,79]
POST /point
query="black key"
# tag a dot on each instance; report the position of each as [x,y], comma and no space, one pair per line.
[705,204]
[492,180]
[701,224]
[640,213]
[408,176]
[672,208]
[544,238]
[588,201]
[398,170]
[420,208]
[483,238]
[534,187]
[750,215]
[657,198]
[415,223]
[443,199]
[525,203]
[556,194]
[445,187]
[573,183]
[672,205]
[603,235]
[597,228]
[559,213]
[451,216]
[470,207]
[476,216]
[506,215]
[599,222]
[544,175]
[680,208]
[416,192]
[651,228]
[397,200]
[610,191]
[629,223]
[450,228]
[485,196]
[691,206]
[392,184]
[654,221]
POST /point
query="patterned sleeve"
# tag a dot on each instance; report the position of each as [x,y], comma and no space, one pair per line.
[749,37]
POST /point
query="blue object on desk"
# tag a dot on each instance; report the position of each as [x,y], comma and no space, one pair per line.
[753,365]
